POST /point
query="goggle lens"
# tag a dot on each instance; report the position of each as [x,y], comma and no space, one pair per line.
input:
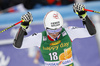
[54,31]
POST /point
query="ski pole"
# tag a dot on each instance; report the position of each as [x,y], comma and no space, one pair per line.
[91,11]
[11,26]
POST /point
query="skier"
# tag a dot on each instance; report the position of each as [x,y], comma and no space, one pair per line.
[55,42]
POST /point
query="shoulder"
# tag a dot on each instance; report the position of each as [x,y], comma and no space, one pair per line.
[39,34]
[44,33]
[71,28]
[36,34]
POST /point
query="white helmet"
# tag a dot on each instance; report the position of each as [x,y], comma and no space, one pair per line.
[53,20]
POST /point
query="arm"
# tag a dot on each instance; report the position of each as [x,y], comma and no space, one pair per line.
[78,9]
[30,41]
[19,37]
[89,25]
[75,32]
[27,19]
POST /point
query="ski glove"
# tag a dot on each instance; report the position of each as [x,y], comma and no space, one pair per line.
[78,9]
[27,19]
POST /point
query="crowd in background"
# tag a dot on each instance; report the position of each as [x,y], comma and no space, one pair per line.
[29,4]
[5,5]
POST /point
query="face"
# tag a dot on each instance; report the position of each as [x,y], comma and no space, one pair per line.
[54,35]
[54,32]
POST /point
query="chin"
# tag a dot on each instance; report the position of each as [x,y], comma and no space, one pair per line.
[54,37]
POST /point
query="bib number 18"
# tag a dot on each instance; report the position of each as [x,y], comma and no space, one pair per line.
[53,56]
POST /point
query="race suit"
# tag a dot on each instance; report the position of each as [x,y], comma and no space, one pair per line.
[59,52]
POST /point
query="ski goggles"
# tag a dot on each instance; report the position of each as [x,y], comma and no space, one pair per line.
[54,30]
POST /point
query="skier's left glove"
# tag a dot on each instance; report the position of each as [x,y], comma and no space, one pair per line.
[27,19]
[78,9]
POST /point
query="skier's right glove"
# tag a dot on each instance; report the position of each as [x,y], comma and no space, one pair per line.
[27,19]
[78,9]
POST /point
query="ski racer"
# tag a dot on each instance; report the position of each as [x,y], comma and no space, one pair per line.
[55,42]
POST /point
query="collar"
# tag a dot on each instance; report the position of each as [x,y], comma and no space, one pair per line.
[51,38]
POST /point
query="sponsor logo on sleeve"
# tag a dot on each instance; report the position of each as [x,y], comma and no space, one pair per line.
[64,33]
[44,38]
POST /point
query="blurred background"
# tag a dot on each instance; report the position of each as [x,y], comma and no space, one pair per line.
[86,51]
